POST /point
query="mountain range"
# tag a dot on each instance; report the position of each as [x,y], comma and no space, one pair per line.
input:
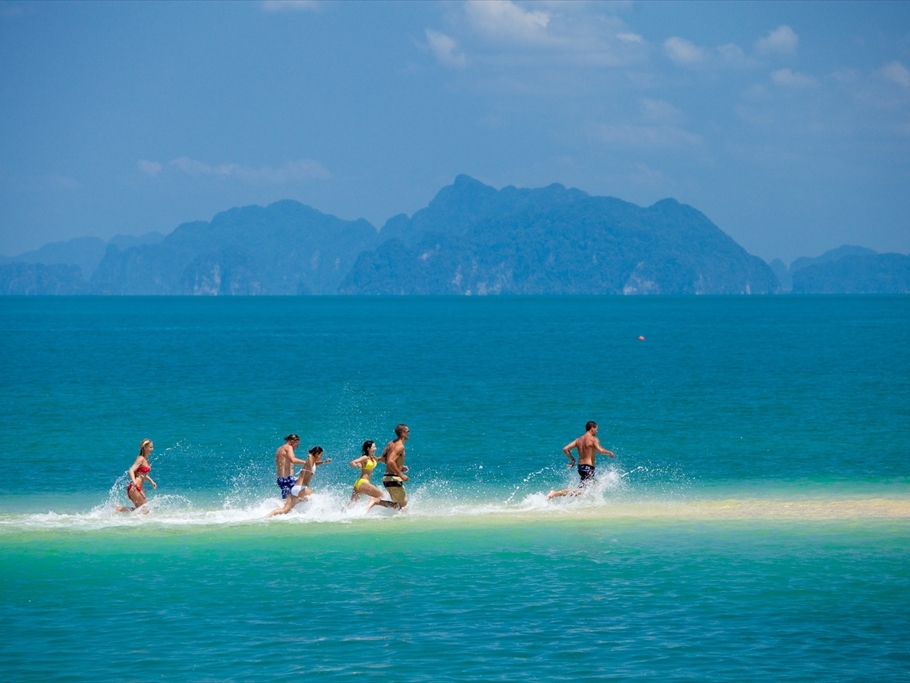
[470,240]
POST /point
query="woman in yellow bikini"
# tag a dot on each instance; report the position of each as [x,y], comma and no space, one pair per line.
[366,463]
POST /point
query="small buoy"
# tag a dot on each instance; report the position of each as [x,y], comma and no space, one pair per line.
[641,338]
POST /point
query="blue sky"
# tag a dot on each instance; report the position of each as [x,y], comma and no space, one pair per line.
[787,124]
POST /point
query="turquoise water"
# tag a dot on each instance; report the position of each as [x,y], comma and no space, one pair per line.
[755,523]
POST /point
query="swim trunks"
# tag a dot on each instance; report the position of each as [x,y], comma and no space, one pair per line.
[586,472]
[285,484]
[395,487]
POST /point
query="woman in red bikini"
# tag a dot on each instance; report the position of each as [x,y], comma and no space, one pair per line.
[139,473]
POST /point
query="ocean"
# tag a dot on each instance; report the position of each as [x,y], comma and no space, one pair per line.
[754,524]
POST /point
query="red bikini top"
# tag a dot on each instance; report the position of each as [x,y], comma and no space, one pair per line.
[144,468]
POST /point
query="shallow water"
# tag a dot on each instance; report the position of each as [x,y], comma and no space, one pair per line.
[754,524]
[479,599]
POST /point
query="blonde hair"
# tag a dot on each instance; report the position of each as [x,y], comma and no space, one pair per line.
[143,446]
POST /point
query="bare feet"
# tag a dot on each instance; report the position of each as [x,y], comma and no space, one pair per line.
[565,492]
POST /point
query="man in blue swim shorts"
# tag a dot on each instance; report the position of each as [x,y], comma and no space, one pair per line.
[286,484]
[299,488]
[284,464]
[588,447]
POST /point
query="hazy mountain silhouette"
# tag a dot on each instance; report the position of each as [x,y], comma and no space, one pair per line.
[470,239]
[473,239]
[855,274]
[284,248]
[849,269]
[23,279]
[830,256]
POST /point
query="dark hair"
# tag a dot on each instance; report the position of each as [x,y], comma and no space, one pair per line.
[589,425]
[365,449]
[399,430]
[315,450]
[292,437]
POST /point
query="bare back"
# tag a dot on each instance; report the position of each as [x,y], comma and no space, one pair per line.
[308,469]
[284,460]
[587,445]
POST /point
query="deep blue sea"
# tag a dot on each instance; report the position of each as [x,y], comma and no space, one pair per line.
[754,525]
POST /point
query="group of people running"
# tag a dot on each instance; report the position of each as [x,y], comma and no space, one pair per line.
[296,489]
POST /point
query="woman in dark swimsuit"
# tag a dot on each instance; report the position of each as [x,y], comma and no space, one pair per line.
[139,473]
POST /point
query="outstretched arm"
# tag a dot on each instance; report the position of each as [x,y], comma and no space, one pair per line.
[601,449]
[291,458]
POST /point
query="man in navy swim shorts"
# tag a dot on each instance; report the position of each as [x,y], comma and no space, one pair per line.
[588,447]
[284,464]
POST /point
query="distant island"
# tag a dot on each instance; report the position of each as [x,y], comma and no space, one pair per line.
[848,269]
[470,240]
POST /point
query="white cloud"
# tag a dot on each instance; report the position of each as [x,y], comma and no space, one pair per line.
[791,79]
[505,19]
[289,5]
[686,53]
[152,168]
[733,55]
[445,49]
[512,34]
[195,168]
[299,171]
[683,52]
[782,41]
[897,73]
[658,110]
[630,38]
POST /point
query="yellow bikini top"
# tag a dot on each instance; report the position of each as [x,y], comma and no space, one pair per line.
[370,464]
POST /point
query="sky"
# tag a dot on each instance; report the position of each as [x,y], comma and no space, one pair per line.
[787,124]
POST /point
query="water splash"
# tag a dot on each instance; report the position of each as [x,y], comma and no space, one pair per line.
[644,492]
